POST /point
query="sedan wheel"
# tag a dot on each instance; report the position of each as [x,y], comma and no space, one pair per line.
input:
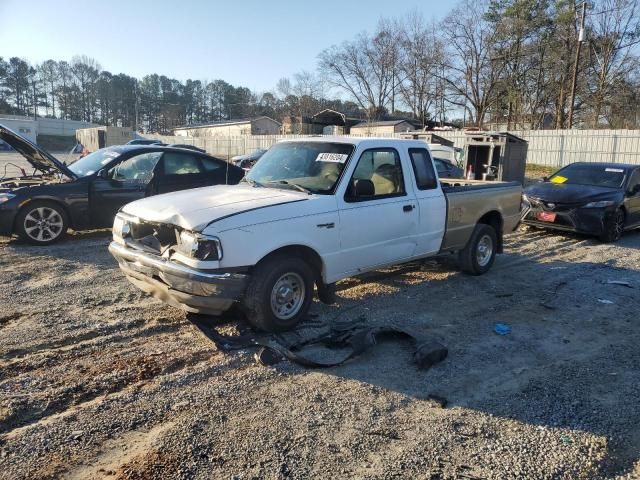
[614,227]
[41,223]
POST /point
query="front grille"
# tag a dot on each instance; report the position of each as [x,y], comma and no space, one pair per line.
[152,237]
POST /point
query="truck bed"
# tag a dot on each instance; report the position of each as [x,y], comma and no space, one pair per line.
[470,200]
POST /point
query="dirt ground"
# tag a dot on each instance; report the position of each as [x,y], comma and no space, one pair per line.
[97,380]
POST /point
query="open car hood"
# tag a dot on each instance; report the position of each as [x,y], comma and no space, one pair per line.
[40,159]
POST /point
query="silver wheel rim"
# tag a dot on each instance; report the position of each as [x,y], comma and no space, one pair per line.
[484,251]
[287,296]
[43,224]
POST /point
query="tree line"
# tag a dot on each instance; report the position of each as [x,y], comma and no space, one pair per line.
[499,62]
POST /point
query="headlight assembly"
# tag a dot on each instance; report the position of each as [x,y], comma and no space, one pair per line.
[601,204]
[5,197]
[121,227]
[199,246]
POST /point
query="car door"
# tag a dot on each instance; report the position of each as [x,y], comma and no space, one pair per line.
[129,180]
[380,228]
[181,171]
[632,200]
[432,205]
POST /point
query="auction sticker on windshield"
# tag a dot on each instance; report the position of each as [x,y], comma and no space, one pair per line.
[332,157]
[559,179]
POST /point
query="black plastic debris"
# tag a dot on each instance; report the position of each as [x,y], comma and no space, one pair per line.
[353,337]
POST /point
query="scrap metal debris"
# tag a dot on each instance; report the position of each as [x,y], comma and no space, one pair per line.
[502,329]
[622,283]
[605,301]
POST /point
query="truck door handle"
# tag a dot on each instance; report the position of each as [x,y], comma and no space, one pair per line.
[408,208]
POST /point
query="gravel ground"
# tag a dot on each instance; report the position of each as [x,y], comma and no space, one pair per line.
[98,380]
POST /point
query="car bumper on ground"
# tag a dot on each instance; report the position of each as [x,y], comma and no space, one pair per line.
[178,285]
[581,220]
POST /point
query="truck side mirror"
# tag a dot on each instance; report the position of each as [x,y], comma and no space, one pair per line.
[363,188]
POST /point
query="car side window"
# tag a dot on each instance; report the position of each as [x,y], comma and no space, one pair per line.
[138,168]
[382,167]
[209,164]
[423,168]
[180,164]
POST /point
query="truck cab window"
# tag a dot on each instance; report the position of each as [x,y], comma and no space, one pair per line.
[423,168]
[382,168]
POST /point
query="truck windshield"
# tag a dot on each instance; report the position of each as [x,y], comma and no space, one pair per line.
[312,166]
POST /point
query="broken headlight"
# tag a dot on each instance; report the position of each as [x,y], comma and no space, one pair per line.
[200,246]
[121,227]
[5,197]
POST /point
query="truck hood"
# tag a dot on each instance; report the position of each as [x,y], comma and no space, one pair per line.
[40,159]
[197,208]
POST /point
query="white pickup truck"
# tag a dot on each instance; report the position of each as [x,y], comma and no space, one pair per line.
[311,212]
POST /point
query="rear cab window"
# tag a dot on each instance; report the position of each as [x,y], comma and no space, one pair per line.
[423,169]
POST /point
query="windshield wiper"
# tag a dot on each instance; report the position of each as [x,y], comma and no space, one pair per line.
[285,183]
[251,182]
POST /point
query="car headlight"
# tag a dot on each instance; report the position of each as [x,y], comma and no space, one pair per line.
[601,204]
[5,197]
[121,227]
[200,246]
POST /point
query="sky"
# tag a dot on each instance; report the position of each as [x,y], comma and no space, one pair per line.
[244,42]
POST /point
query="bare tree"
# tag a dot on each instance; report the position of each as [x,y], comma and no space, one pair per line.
[420,57]
[470,71]
[365,68]
[614,31]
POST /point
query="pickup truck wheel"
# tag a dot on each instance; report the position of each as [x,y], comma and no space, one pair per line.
[41,223]
[479,254]
[279,294]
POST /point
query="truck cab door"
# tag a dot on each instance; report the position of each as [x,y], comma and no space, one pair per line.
[123,183]
[378,216]
[432,204]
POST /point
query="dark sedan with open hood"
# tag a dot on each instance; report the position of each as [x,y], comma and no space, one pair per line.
[601,199]
[88,193]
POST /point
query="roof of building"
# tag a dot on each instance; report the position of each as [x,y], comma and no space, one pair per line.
[384,123]
[221,123]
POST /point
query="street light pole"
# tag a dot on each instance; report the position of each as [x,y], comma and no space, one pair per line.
[575,67]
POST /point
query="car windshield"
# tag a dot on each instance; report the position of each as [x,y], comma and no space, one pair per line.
[93,162]
[595,175]
[313,166]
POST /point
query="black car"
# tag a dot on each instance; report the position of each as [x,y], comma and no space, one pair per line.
[88,193]
[145,141]
[601,199]
[248,160]
[447,169]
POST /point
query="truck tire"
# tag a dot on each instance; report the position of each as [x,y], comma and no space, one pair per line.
[41,222]
[279,294]
[479,254]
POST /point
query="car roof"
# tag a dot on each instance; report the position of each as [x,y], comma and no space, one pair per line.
[372,141]
[151,148]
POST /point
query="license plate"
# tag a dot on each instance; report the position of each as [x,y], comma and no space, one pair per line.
[546,216]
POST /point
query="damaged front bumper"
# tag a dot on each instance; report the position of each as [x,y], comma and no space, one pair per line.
[589,221]
[178,285]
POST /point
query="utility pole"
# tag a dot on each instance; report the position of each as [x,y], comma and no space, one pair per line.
[575,67]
